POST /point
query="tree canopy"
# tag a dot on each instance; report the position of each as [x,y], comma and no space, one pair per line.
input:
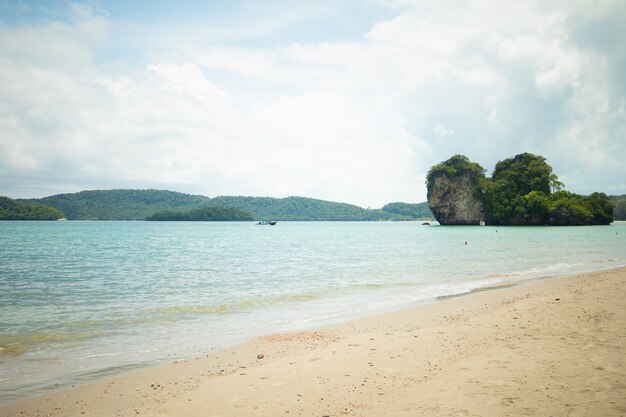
[518,191]
[523,190]
[569,209]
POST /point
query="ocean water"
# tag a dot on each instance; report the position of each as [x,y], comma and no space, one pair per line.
[84,300]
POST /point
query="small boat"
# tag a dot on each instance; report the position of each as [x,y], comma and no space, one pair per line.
[266,222]
[425,224]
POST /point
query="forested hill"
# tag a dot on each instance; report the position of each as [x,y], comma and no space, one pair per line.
[408,211]
[295,208]
[302,208]
[14,210]
[204,214]
[120,204]
[139,204]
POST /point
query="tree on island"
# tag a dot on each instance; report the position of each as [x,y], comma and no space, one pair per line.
[569,209]
[519,190]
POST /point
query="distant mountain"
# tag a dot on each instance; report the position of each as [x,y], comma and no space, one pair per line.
[139,204]
[15,210]
[120,204]
[298,208]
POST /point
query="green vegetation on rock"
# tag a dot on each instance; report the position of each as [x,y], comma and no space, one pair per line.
[518,191]
[523,190]
[569,209]
[14,210]
[456,166]
[210,214]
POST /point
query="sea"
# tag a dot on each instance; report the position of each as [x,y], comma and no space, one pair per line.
[85,300]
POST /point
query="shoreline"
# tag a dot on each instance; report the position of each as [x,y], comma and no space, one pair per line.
[542,347]
[51,386]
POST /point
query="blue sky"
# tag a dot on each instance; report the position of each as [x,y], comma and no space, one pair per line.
[349,101]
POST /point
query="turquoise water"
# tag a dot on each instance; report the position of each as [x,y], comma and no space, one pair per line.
[82,300]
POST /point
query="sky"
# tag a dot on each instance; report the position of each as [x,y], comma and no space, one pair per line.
[349,101]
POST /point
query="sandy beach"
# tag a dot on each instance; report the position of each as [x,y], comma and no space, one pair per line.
[552,347]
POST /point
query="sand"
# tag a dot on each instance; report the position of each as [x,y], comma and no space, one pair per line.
[552,347]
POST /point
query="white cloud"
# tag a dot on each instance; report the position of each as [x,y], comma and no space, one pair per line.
[442,131]
[359,121]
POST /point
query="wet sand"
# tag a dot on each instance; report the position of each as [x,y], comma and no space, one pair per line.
[553,347]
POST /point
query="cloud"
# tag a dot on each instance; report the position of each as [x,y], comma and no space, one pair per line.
[359,121]
[441,131]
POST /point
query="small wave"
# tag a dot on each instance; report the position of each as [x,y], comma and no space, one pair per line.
[320,317]
[373,286]
[10,350]
[106,322]
[547,270]
[392,285]
[234,306]
[101,355]
[606,261]
[85,323]
[270,301]
[175,310]
[13,345]
[481,288]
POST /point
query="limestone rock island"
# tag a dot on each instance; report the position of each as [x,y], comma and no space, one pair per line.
[453,195]
[522,191]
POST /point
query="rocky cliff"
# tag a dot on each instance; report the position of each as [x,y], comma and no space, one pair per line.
[452,199]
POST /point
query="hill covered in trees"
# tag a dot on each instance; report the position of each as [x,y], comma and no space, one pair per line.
[522,190]
[140,204]
[310,209]
[120,204]
[408,211]
[14,210]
